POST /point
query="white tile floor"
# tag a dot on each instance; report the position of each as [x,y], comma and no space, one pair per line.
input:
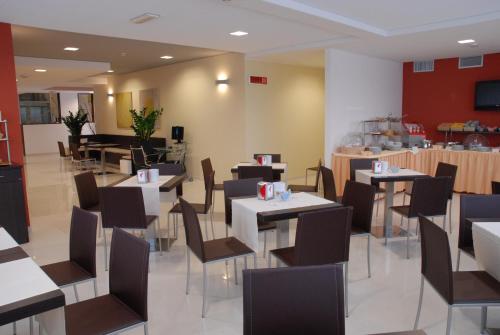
[386,302]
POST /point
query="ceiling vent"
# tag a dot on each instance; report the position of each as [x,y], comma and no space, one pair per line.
[467,62]
[423,66]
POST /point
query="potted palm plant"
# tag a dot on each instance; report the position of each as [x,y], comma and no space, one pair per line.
[144,123]
[75,123]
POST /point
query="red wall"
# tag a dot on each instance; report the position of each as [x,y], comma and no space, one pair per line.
[447,95]
[9,104]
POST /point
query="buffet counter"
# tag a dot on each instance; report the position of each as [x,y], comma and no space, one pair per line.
[475,172]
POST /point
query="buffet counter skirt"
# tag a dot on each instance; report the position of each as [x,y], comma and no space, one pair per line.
[475,172]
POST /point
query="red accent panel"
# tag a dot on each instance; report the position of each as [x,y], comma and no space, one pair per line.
[447,95]
[258,80]
[9,104]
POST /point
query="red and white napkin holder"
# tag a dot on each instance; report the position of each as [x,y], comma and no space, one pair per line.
[265,190]
[264,160]
[377,167]
[145,176]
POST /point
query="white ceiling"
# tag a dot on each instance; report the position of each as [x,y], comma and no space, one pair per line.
[394,29]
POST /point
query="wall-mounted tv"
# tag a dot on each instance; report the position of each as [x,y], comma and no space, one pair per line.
[487,96]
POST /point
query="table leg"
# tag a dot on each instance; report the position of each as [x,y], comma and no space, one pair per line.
[282,235]
[103,158]
[389,201]
[52,322]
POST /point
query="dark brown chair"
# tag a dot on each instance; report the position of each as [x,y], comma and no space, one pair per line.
[314,169]
[217,250]
[264,172]
[126,305]
[330,192]
[308,188]
[495,187]
[442,170]
[243,188]
[88,194]
[140,159]
[429,197]
[322,237]
[361,198]
[123,207]
[77,158]
[204,208]
[477,207]
[298,300]
[275,158]
[364,164]
[207,169]
[458,289]
[80,267]
[62,150]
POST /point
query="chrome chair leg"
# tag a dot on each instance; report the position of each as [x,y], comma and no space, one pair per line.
[204,305]
[448,323]
[146,331]
[458,260]
[31,325]
[420,300]
[346,288]
[378,203]
[369,257]
[265,244]
[14,328]
[450,214]
[76,293]
[168,231]
[255,260]
[206,227]
[188,273]
[245,262]
[105,249]
[408,240]
[235,271]
[157,231]
[269,260]
[95,287]
[212,224]
[484,318]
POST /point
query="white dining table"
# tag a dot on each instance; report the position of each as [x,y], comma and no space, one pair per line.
[245,212]
[486,237]
[389,178]
[25,290]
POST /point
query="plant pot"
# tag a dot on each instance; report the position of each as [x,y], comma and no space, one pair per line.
[74,139]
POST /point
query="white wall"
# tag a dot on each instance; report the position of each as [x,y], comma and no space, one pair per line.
[42,138]
[358,88]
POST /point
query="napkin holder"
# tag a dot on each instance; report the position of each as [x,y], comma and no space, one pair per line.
[264,160]
[142,176]
[153,175]
[377,167]
[265,190]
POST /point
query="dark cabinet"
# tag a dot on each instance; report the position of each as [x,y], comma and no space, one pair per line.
[12,205]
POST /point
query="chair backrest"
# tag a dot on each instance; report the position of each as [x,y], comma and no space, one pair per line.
[295,300]
[318,173]
[238,188]
[82,239]
[122,207]
[275,158]
[128,271]
[88,193]
[429,196]
[329,190]
[194,238]
[264,172]
[62,151]
[75,154]
[138,156]
[436,258]
[206,167]
[361,198]
[323,236]
[359,164]
[169,169]
[495,187]
[475,206]
[148,148]
[447,170]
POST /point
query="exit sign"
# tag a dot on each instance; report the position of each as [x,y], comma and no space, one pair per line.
[258,80]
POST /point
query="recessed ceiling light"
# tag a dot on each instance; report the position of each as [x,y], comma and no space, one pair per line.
[238,33]
[111,71]
[144,18]
[166,57]
[40,70]
[467,41]
[71,49]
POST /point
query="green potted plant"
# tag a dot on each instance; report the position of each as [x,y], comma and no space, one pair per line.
[143,123]
[75,123]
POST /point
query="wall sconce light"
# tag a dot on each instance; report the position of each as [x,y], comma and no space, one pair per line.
[222,82]
[110,95]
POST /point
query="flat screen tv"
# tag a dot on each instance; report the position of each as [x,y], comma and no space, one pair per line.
[487,95]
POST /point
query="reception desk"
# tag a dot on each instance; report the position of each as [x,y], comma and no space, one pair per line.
[475,172]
